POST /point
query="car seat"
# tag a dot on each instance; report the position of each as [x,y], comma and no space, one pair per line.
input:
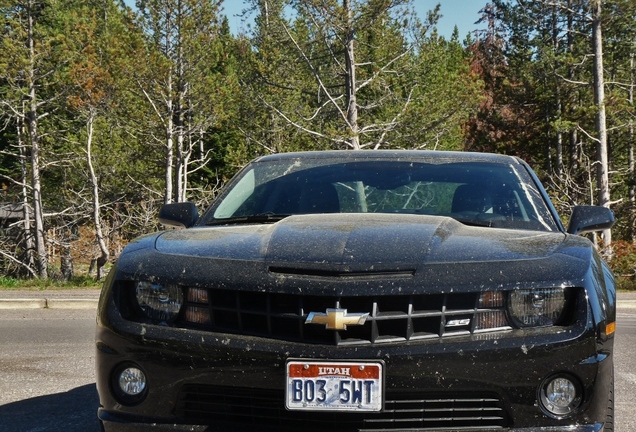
[470,198]
[319,198]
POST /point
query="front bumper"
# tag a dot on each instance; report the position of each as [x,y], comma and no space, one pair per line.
[114,423]
[506,367]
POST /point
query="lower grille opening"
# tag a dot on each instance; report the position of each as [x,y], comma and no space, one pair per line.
[264,410]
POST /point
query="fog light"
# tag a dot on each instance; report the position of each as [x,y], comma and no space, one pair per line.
[129,384]
[560,396]
[132,381]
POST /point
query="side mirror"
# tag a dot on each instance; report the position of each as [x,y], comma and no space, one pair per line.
[590,218]
[181,215]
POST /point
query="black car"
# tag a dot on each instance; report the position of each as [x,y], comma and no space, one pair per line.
[363,291]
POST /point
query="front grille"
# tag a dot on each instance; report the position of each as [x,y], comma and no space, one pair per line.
[257,409]
[395,318]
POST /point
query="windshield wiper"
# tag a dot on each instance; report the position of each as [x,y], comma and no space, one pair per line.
[473,222]
[257,218]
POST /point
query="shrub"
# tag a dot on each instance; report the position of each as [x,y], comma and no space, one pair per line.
[623,264]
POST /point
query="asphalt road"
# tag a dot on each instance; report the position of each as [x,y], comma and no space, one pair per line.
[625,370]
[47,381]
[47,377]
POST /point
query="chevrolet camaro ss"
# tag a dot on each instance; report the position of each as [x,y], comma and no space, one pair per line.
[363,291]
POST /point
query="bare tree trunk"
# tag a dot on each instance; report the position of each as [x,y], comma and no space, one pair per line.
[169,125]
[602,162]
[97,219]
[632,186]
[352,104]
[66,260]
[168,197]
[559,155]
[32,125]
[575,156]
[559,103]
[181,168]
[40,242]
[26,208]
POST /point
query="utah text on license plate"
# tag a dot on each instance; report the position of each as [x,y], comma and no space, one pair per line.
[334,386]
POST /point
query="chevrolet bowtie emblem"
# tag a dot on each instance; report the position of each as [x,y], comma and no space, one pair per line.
[336,319]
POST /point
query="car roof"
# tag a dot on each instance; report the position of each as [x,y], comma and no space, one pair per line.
[404,155]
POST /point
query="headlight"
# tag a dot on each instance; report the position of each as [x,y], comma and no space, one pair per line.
[159,302]
[536,307]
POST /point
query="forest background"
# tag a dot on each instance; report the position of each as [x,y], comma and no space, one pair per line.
[107,112]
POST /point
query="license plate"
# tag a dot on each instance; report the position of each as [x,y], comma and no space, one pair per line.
[334,386]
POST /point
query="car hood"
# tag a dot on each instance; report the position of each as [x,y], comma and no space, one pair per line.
[381,240]
[353,252]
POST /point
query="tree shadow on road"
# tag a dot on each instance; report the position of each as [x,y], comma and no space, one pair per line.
[72,411]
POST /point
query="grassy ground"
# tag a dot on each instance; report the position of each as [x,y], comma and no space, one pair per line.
[83,280]
[78,282]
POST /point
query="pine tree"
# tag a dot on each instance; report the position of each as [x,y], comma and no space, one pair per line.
[34,56]
[358,75]
[180,84]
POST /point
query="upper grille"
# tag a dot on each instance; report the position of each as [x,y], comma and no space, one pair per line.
[395,318]
[259,409]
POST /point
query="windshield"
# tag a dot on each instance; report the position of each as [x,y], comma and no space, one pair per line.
[474,193]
